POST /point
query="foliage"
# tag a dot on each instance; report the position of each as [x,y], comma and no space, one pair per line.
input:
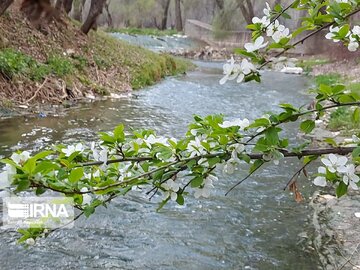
[13,63]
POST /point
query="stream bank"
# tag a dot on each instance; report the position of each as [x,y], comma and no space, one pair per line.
[336,227]
[60,64]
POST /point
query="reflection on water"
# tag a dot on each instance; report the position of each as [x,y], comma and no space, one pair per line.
[255,227]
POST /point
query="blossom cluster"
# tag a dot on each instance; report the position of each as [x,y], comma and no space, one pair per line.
[351,36]
[341,168]
[233,71]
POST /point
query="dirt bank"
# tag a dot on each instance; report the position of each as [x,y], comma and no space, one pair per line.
[58,63]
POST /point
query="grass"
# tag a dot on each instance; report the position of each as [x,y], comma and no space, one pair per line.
[15,63]
[341,119]
[308,64]
[328,79]
[145,67]
[145,31]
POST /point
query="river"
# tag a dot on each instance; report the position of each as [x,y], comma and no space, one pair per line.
[257,226]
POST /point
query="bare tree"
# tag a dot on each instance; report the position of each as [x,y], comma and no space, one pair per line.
[108,15]
[178,18]
[77,9]
[96,8]
[220,4]
[247,10]
[4,4]
[165,16]
[67,5]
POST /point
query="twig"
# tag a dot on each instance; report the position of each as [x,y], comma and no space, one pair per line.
[292,179]
[243,180]
[305,113]
[37,91]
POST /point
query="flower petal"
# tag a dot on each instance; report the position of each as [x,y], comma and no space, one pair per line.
[320,181]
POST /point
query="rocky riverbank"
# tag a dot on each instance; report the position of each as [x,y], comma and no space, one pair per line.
[337,230]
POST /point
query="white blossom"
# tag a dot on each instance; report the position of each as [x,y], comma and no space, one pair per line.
[20,158]
[195,147]
[321,179]
[264,21]
[30,241]
[353,44]
[86,197]
[350,178]
[267,10]
[356,30]
[257,45]
[68,151]
[6,176]
[231,166]
[206,189]
[231,71]
[246,68]
[171,188]
[236,123]
[277,31]
[150,140]
[333,33]
[335,163]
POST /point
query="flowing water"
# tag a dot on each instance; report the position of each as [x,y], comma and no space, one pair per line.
[256,227]
[162,43]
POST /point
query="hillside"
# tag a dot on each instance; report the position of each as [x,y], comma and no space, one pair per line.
[60,63]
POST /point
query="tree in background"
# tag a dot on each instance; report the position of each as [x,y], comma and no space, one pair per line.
[247,9]
[178,17]
[96,8]
[165,5]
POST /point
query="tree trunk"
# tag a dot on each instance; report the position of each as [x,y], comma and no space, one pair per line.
[96,9]
[4,4]
[220,4]
[59,4]
[178,19]
[165,17]
[247,10]
[109,17]
[68,5]
[78,8]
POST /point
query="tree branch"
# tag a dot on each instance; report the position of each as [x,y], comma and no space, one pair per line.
[307,36]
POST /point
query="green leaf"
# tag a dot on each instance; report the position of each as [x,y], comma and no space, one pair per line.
[256,165]
[89,210]
[42,155]
[341,189]
[30,165]
[23,185]
[107,138]
[356,152]
[76,174]
[119,134]
[261,122]
[272,136]
[197,182]
[162,204]
[344,31]
[307,126]
[331,141]
[356,115]
[180,199]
